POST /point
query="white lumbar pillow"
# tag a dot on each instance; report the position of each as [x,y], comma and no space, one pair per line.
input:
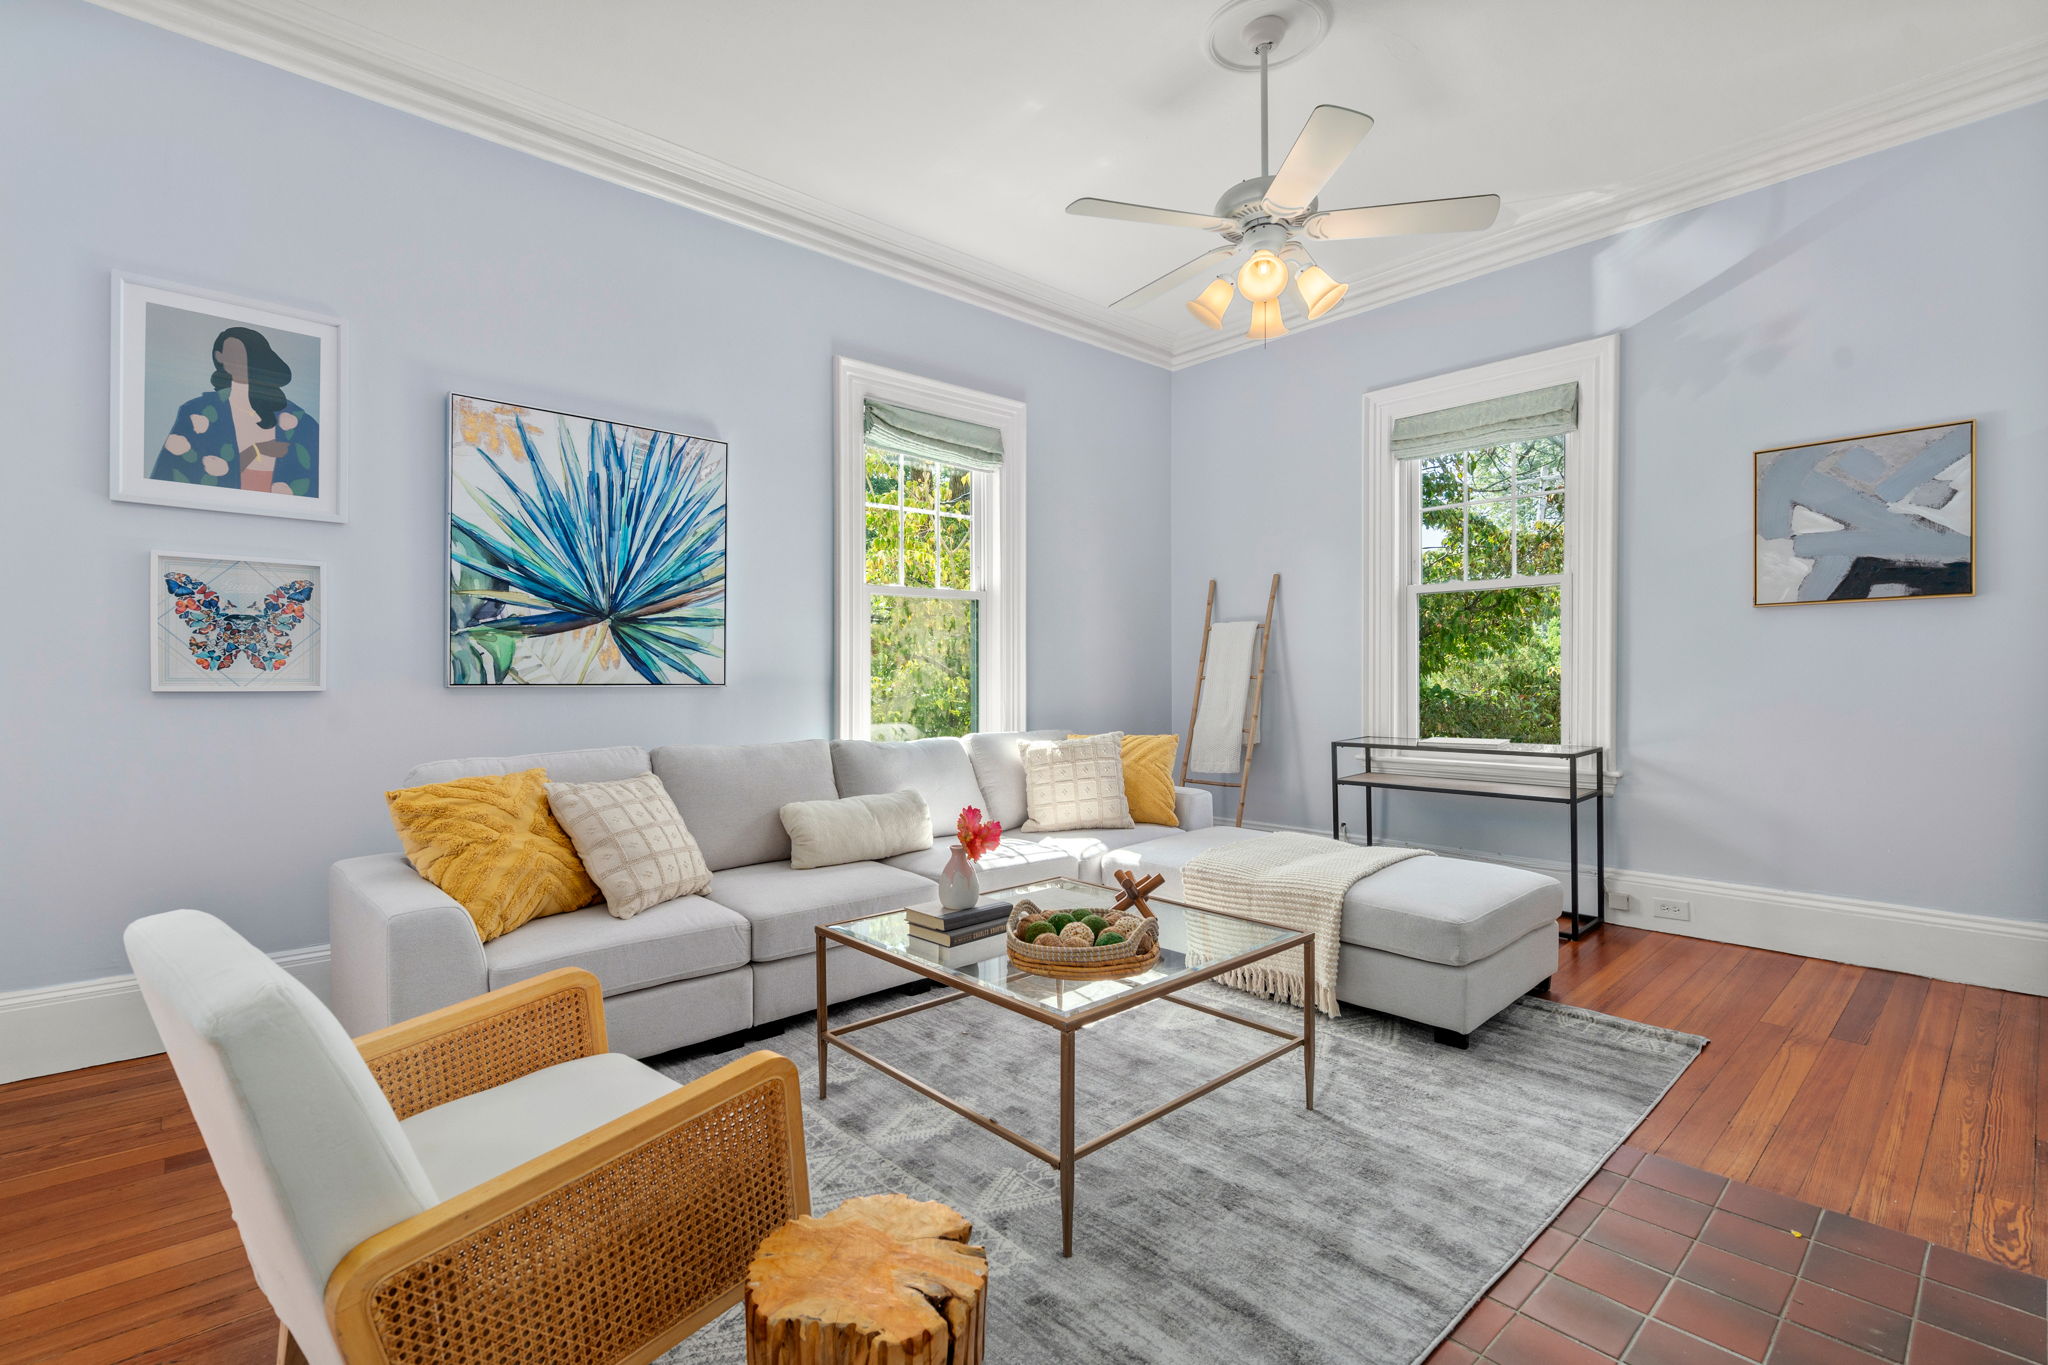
[1075,784]
[856,829]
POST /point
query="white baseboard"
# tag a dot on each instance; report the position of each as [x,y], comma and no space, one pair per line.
[1977,950]
[48,1029]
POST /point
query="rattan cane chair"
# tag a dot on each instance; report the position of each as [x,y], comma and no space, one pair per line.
[481,1184]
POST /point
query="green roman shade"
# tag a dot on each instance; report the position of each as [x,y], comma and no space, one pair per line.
[927,436]
[1490,422]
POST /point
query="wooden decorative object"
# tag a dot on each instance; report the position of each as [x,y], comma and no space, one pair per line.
[880,1280]
[1135,891]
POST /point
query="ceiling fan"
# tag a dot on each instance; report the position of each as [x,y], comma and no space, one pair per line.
[1265,215]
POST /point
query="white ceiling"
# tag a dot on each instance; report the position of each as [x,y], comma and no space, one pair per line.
[970,123]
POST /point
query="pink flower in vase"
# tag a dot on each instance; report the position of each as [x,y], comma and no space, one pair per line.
[977,836]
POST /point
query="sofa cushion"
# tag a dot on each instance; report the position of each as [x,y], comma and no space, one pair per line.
[563,765]
[1086,846]
[1076,784]
[856,829]
[672,941]
[731,795]
[1010,863]
[1449,910]
[936,769]
[632,841]
[998,761]
[465,1142]
[493,845]
[783,903]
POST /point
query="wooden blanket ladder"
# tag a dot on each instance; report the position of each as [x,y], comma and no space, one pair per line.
[1251,714]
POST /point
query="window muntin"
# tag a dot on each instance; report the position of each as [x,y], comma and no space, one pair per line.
[924,646]
[1488,587]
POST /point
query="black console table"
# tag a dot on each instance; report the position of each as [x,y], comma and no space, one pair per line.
[1571,796]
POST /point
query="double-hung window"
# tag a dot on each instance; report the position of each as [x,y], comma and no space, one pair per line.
[930,557]
[1490,551]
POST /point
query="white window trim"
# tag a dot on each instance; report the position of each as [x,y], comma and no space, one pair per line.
[1393,490]
[998,547]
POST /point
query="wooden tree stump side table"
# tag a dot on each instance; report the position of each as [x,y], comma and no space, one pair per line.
[880,1280]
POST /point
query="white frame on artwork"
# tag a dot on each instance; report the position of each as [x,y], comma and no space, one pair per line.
[317,683]
[998,547]
[131,447]
[1393,499]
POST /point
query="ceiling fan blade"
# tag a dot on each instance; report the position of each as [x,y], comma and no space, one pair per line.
[1145,213]
[1397,220]
[1207,261]
[1329,136]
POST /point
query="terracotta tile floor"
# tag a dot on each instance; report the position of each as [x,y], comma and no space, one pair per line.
[1661,1264]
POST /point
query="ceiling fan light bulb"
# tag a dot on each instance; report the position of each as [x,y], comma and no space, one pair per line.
[1266,322]
[1319,292]
[1263,277]
[1210,304]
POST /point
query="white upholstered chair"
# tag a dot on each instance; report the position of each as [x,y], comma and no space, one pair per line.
[484,1183]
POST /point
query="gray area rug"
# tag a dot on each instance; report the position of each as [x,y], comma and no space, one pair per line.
[1241,1228]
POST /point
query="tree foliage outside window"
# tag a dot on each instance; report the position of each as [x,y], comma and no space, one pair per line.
[924,647]
[1489,630]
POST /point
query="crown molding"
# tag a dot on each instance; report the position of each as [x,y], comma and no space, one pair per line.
[311,42]
[2014,77]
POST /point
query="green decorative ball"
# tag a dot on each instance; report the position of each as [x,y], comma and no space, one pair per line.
[1031,933]
[1104,940]
[1061,919]
[1096,922]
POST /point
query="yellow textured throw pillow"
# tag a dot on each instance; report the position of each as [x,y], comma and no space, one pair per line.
[1148,777]
[494,846]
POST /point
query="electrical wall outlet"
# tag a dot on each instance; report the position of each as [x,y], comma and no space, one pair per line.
[1669,909]
[1620,903]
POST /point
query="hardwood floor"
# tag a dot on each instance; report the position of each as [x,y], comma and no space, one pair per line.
[1920,1105]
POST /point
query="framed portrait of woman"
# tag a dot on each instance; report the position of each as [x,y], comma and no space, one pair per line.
[225,404]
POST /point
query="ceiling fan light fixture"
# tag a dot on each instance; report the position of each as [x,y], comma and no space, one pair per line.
[1263,278]
[1210,304]
[1319,292]
[1266,322]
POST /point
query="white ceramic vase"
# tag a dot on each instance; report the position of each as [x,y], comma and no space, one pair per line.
[958,887]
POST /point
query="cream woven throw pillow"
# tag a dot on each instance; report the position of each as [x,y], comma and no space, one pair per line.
[632,841]
[1075,784]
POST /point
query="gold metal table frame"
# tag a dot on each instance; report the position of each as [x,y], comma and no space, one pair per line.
[1069,1024]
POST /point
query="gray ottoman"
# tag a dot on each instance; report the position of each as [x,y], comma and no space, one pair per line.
[1444,941]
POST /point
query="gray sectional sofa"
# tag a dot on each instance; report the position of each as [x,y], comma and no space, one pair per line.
[1443,941]
[740,956]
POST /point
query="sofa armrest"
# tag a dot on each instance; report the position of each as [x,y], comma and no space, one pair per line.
[1194,806]
[614,1246]
[487,1042]
[400,945]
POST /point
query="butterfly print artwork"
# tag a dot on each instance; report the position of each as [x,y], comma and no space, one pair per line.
[223,631]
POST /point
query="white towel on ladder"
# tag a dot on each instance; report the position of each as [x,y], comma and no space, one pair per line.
[1217,745]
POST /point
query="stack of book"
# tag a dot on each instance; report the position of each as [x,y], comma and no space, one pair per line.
[951,928]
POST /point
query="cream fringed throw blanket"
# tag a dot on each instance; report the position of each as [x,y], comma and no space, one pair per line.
[1294,880]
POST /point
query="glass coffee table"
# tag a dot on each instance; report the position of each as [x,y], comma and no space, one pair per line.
[984,971]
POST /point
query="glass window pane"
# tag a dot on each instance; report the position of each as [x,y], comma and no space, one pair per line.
[1488,664]
[1443,479]
[1540,464]
[1443,545]
[923,674]
[956,492]
[885,537]
[1492,471]
[881,477]
[1539,546]
[920,485]
[956,553]
[1491,553]
[920,550]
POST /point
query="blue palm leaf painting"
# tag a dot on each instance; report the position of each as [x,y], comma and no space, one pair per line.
[582,551]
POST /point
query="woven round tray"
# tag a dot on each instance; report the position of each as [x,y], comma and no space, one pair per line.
[1051,958]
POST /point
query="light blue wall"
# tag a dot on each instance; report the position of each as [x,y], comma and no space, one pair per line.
[1890,751]
[458,265]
